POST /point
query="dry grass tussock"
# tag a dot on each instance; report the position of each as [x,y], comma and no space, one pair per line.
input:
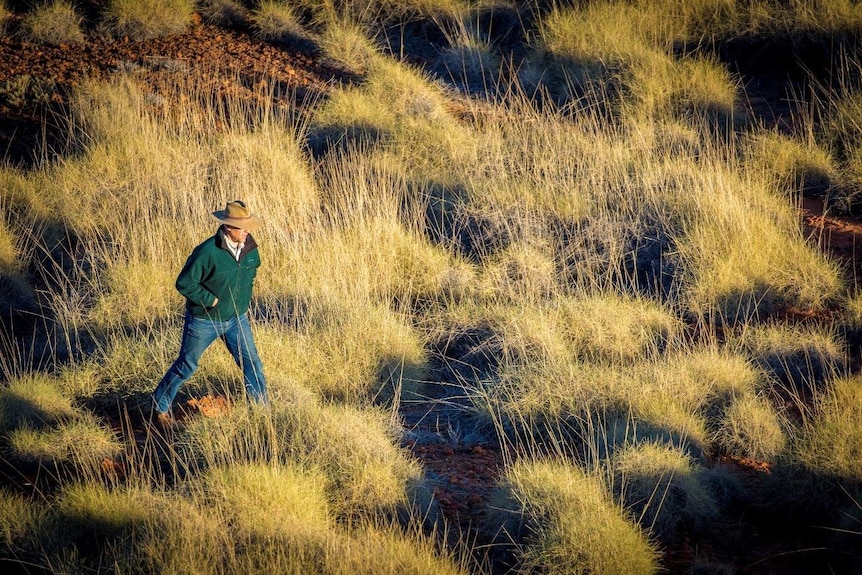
[55,23]
[569,522]
[145,19]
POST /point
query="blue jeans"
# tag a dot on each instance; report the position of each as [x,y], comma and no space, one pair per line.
[198,334]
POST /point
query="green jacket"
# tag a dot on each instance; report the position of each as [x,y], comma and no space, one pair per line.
[211,272]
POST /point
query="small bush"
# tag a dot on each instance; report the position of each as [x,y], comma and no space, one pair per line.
[145,19]
[793,166]
[354,448]
[55,23]
[797,356]
[8,251]
[4,16]
[95,522]
[350,46]
[385,550]
[471,65]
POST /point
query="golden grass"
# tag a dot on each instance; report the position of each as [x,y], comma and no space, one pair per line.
[99,512]
[581,246]
[19,518]
[573,525]
[145,19]
[82,444]
[270,501]
[274,20]
[385,550]
[663,488]
[34,401]
[4,15]
[349,45]
[799,356]
[353,447]
[832,443]
[752,428]
[55,23]
[793,166]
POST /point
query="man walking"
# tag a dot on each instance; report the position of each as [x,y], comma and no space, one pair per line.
[217,281]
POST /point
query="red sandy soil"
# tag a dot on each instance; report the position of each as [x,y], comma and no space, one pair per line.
[464,473]
[840,236]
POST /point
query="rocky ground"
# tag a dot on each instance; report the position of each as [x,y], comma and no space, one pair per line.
[35,81]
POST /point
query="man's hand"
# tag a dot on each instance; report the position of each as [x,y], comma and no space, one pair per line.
[215,303]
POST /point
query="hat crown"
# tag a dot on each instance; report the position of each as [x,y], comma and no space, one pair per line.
[237,214]
[236,210]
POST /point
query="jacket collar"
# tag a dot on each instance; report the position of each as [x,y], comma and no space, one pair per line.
[250,244]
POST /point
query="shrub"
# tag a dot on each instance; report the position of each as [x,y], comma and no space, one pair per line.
[793,166]
[4,16]
[353,447]
[390,550]
[797,356]
[145,19]
[55,23]
[471,65]
[616,327]
[350,46]
[8,252]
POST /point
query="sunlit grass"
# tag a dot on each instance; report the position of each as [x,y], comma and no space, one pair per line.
[34,401]
[81,445]
[570,522]
[751,427]
[296,508]
[663,488]
[142,20]
[353,447]
[55,23]
[832,444]
[563,268]
[18,519]
[274,20]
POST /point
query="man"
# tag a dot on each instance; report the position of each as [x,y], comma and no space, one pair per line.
[217,281]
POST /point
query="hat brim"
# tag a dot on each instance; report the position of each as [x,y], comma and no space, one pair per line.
[250,223]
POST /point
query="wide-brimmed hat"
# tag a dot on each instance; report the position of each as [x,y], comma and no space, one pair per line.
[237,215]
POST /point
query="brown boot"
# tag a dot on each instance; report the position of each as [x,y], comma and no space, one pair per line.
[166,421]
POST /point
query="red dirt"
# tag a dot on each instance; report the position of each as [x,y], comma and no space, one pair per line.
[836,235]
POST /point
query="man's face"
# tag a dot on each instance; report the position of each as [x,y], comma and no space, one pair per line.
[237,235]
